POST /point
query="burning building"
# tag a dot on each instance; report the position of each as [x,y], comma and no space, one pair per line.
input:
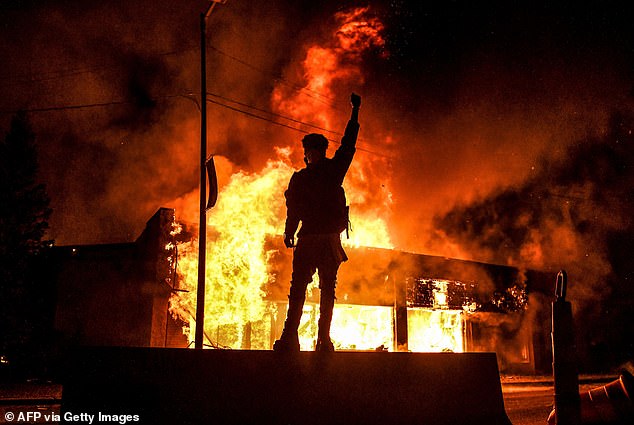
[131,295]
[388,300]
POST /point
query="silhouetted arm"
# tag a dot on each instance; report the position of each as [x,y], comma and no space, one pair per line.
[345,153]
[292,212]
[349,139]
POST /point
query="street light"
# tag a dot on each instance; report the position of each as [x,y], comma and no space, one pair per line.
[202,230]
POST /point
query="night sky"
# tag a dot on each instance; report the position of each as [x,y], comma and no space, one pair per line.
[506,127]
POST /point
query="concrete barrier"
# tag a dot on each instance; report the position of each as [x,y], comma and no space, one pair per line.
[179,386]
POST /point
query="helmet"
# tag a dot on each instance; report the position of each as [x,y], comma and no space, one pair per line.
[315,141]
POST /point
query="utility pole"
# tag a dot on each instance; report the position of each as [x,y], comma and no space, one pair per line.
[202,229]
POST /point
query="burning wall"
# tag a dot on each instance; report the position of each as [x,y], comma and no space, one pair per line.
[130,283]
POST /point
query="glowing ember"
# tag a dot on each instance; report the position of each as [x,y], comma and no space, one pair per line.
[440,295]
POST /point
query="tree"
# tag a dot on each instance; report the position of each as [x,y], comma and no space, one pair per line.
[24,213]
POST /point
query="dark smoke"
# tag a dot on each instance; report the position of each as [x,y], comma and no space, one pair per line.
[576,194]
[574,213]
[109,168]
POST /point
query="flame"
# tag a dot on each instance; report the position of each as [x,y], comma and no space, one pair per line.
[437,327]
[354,327]
[325,65]
[361,327]
[359,31]
[435,330]
[250,208]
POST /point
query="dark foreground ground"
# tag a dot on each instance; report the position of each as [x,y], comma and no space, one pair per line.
[528,399]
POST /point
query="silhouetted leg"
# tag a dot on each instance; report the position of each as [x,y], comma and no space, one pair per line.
[327,283]
[295,307]
[302,276]
[289,341]
[326,305]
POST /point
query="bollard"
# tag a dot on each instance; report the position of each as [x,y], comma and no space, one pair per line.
[566,380]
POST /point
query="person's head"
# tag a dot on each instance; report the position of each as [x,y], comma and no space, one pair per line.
[315,146]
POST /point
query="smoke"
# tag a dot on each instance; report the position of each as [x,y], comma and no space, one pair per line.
[460,104]
[566,215]
[109,167]
[493,138]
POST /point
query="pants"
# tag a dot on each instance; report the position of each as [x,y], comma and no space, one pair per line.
[324,254]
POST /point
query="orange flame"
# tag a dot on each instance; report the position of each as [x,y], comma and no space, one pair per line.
[251,207]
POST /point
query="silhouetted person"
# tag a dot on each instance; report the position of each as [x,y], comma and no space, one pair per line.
[316,198]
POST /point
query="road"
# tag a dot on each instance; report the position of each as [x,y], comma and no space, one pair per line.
[528,404]
[531,403]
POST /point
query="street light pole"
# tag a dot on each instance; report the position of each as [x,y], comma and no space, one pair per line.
[202,229]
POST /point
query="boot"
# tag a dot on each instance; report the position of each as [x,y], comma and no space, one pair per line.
[326,304]
[324,345]
[289,341]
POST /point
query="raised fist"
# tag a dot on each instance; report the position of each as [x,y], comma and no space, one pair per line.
[289,241]
[355,99]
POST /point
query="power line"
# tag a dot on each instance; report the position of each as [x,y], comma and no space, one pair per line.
[292,120]
[27,78]
[54,75]
[275,114]
[72,72]
[66,107]
[224,105]
[252,115]
[283,117]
